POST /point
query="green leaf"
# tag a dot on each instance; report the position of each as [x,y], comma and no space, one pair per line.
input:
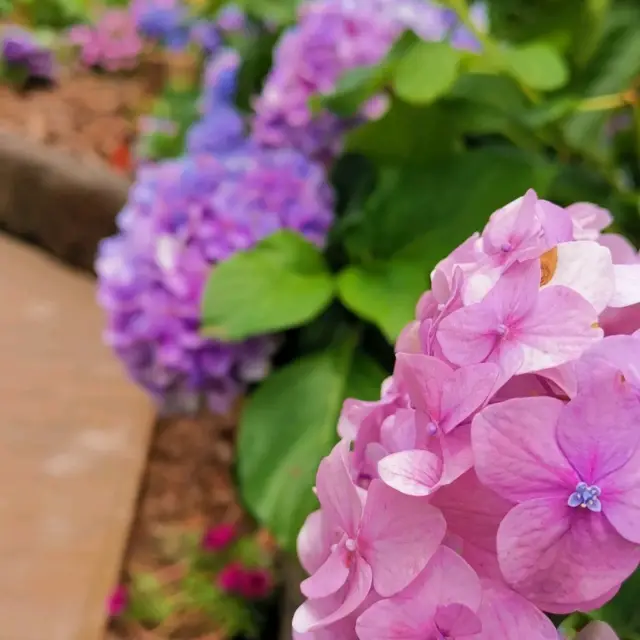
[538,66]
[613,69]
[148,601]
[456,194]
[283,282]
[289,425]
[384,293]
[280,12]
[406,134]
[353,89]
[426,72]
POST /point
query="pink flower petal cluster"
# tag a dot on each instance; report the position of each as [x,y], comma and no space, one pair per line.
[498,477]
[112,43]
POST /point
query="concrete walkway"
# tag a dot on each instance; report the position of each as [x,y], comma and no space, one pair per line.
[74,435]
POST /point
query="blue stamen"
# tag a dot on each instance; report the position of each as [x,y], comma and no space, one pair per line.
[586,497]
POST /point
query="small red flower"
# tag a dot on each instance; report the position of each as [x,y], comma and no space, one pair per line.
[256,584]
[217,538]
[231,578]
[117,601]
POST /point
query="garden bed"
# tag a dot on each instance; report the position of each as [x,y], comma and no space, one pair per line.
[50,199]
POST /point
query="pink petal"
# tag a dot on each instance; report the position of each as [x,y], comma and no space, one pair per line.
[414,473]
[422,378]
[337,493]
[312,615]
[627,285]
[399,432]
[560,329]
[516,451]
[556,222]
[514,296]
[597,630]
[409,339]
[549,552]
[329,577]
[465,391]
[399,536]
[589,220]
[457,621]
[468,335]
[473,514]
[446,580]
[585,607]
[313,542]
[622,251]
[598,432]
[507,615]
[586,268]
[621,499]
[455,450]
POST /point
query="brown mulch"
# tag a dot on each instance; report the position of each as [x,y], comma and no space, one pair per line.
[188,483]
[188,486]
[85,114]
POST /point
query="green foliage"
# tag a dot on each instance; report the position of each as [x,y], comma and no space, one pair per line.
[538,66]
[426,72]
[187,586]
[289,425]
[464,134]
[283,282]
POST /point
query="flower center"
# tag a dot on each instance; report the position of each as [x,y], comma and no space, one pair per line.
[502,330]
[432,428]
[350,545]
[586,497]
[506,247]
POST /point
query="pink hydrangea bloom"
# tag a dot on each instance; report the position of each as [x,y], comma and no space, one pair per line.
[112,43]
[498,475]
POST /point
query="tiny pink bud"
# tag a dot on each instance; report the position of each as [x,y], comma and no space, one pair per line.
[256,584]
[217,538]
[117,601]
[231,578]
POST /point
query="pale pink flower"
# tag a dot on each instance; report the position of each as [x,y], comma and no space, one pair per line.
[572,469]
[519,326]
[425,448]
[382,539]
[597,630]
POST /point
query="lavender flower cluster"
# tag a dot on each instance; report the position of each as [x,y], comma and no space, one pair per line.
[169,23]
[182,217]
[330,38]
[20,51]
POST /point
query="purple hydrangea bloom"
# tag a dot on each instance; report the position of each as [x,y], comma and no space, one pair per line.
[205,34]
[221,128]
[164,21]
[331,38]
[113,43]
[20,49]
[231,19]
[182,217]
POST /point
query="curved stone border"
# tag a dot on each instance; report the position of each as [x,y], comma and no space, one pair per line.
[74,433]
[51,199]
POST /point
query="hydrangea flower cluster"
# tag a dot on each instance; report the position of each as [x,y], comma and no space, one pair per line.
[182,217]
[112,43]
[169,22]
[330,38]
[20,51]
[498,476]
